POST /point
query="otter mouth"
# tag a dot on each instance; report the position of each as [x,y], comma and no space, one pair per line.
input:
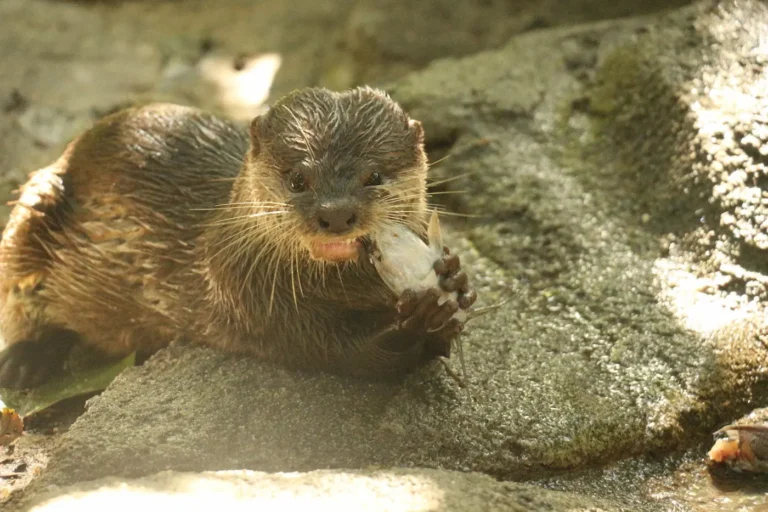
[341,250]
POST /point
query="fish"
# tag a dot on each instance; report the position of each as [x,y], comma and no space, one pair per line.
[404,261]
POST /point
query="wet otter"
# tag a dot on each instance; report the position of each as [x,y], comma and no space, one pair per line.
[164,222]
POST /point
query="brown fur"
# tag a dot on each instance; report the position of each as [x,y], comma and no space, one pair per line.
[124,240]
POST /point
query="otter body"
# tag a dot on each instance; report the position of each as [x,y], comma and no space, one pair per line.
[165,223]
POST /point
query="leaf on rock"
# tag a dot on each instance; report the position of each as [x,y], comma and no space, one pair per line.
[81,382]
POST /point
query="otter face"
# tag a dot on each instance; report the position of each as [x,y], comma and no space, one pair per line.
[342,164]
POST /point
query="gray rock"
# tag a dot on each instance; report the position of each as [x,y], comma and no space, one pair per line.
[50,127]
[699,169]
[412,490]
[442,28]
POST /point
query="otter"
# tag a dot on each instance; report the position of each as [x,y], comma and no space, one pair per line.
[165,223]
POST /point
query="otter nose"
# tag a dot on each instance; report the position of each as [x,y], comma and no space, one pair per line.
[337,219]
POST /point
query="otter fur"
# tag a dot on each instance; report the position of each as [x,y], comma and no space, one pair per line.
[164,223]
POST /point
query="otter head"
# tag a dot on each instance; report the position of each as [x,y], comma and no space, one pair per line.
[338,165]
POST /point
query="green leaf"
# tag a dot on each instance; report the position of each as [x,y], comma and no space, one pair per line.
[81,382]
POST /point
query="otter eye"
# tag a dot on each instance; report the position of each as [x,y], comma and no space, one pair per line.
[297,181]
[373,179]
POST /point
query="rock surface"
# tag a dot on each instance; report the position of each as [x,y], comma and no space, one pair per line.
[617,174]
[402,490]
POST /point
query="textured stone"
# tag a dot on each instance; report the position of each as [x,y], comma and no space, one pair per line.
[684,127]
[441,28]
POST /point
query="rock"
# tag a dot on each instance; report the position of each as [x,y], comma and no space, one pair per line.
[60,80]
[680,482]
[701,168]
[415,489]
[426,31]
[50,127]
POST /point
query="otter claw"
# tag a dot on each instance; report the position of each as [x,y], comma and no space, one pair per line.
[466,299]
[421,312]
[457,282]
[447,265]
[453,279]
[441,316]
[406,303]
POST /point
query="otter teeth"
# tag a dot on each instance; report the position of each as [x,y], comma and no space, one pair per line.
[337,250]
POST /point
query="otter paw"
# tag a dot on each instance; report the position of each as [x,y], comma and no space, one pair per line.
[453,279]
[420,312]
[28,364]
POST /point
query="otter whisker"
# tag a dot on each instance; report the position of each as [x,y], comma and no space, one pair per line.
[235,220]
[341,281]
[407,205]
[249,240]
[398,202]
[221,180]
[397,193]
[416,194]
[230,208]
[446,157]
[298,273]
[448,180]
[442,212]
[254,203]
[446,192]
[403,210]
[227,206]
[293,285]
[272,295]
[274,268]
[465,215]
[239,221]
[238,237]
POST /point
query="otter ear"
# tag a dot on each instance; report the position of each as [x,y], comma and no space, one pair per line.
[255,132]
[417,130]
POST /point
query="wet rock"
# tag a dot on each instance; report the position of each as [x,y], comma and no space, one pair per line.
[415,489]
[700,169]
[681,482]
